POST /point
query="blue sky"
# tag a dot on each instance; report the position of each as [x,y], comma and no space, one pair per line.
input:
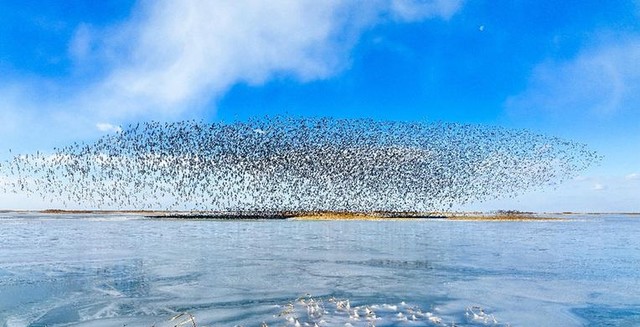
[73,70]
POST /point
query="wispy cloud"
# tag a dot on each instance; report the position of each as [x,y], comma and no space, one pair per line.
[602,80]
[633,176]
[106,127]
[412,10]
[581,178]
[186,53]
[599,187]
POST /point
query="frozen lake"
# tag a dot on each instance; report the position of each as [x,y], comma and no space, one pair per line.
[96,270]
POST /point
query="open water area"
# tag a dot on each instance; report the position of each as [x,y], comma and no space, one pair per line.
[120,270]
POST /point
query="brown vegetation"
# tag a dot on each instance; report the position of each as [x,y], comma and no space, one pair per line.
[501,215]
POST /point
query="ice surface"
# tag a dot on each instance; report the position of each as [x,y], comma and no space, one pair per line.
[106,271]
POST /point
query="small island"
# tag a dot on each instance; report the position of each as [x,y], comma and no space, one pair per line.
[499,215]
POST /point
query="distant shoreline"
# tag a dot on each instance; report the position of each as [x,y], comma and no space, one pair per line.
[325,215]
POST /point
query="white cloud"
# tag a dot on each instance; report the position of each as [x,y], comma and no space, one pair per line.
[80,46]
[106,127]
[178,55]
[599,187]
[603,80]
[633,176]
[412,10]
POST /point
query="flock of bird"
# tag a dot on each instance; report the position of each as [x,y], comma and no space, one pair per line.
[282,164]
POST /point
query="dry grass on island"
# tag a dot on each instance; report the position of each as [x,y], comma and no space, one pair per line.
[375,215]
[500,215]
